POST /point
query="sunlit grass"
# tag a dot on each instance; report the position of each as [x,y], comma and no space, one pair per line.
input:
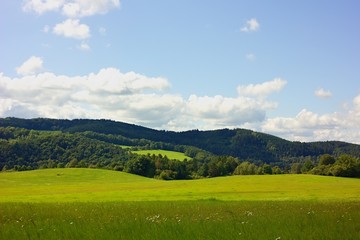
[181,220]
[170,154]
[71,185]
[102,204]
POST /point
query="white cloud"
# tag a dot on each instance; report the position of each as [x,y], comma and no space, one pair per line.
[129,97]
[321,93]
[84,46]
[82,8]
[42,6]
[310,126]
[71,8]
[262,89]
[71,28]
[251,25]
[139,99]
[219,111]
[31,66]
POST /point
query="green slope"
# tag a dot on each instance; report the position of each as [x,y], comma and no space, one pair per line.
[173,155]
[241,143]
[92,185]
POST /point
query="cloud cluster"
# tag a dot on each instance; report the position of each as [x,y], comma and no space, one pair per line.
[251,25]
[310,126]
[130,97]
[262,89]
[71,28]
[144,100]
[73,10]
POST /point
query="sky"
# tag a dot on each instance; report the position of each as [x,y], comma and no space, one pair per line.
[291,69]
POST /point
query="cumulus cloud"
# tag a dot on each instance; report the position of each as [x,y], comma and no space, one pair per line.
[262,89]
[129,97]
[251,25]
[94,95]
[81,8]
[220,111]
[310,126]
[321,93]
[71,28]
[42,6]
[71,8]
[31,66]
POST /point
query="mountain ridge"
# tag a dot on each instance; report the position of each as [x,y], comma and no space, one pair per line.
[241,143]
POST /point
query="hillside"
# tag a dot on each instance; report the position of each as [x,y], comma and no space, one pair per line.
[50,143]
[240,143]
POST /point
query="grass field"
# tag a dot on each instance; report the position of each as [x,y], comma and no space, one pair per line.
[170,154]
[71,185]
[101,204]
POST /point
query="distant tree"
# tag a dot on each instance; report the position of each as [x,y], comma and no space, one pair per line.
[5,168]
[72,164]
[141,165]
[167,175]
[346,166]
[60,165]
[307,166]
[295,168]
[245,168]
[276,170]
[51,164]
[82,164]
[203,170]
[267,169]
[214,169]
[326,159]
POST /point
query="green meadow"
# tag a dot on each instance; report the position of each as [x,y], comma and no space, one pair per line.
[102,204]
[170,154]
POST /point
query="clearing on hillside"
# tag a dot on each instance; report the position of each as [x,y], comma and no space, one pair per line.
[170,154]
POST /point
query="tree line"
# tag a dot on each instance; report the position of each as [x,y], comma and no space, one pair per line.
[23,149]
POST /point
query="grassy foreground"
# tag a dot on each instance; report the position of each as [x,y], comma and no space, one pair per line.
[100,204]
[181,220]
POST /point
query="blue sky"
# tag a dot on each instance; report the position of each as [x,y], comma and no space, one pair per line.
[291,69]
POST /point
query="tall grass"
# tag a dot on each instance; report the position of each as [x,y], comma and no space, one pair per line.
[100,204]
[181,220]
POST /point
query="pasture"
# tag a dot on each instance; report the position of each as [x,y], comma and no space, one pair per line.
[173,155]
[101,204]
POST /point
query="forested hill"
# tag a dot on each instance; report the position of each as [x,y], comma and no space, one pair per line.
[241,143]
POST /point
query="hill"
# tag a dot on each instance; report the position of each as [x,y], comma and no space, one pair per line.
[27,144]
[240,143]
